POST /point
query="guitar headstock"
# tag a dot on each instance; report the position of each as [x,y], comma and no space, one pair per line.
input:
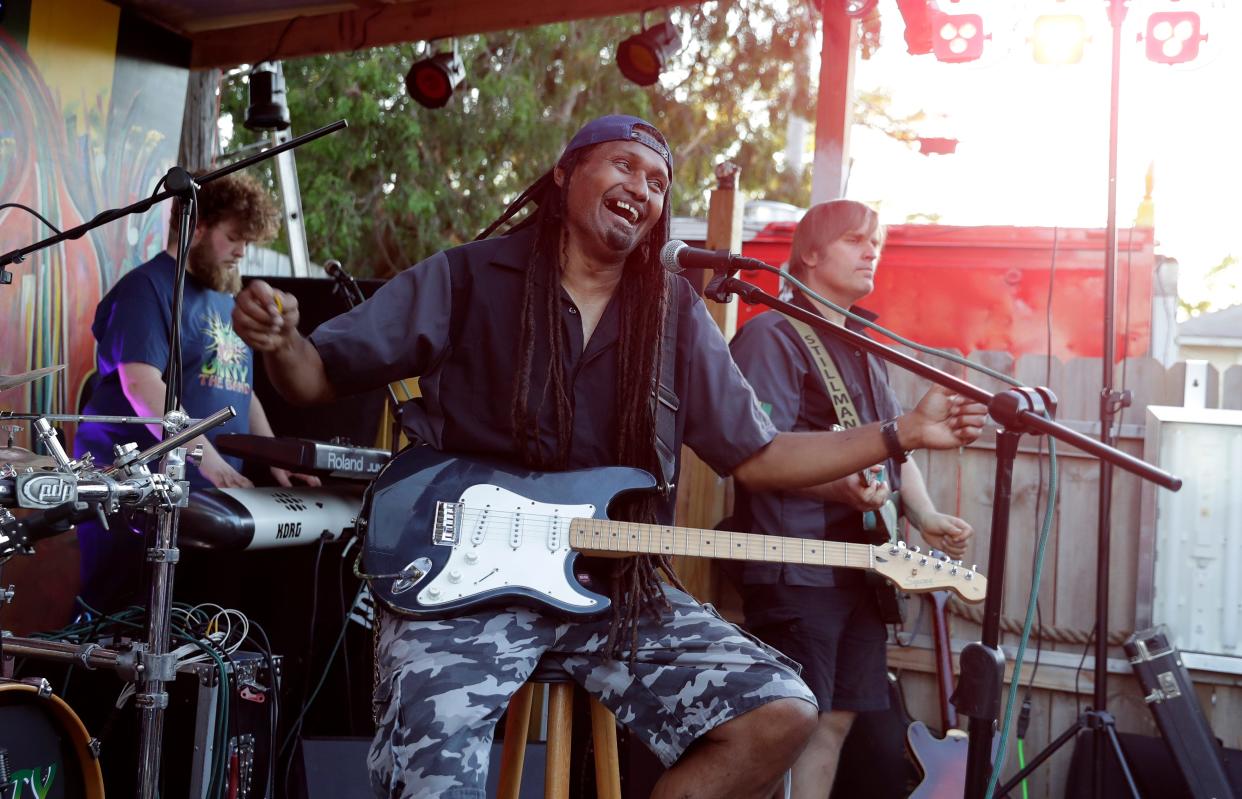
[919,572]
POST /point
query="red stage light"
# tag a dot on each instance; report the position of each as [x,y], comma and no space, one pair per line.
[431,81]
[1173,37]
[957,37]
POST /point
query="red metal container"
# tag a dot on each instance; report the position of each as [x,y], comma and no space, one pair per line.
[989,288]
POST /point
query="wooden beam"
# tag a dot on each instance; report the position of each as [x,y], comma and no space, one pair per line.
[395,23]
[834,113]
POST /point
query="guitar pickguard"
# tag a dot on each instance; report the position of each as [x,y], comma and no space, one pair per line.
[501,540]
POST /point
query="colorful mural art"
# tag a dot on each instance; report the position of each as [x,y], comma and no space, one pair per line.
[91,100]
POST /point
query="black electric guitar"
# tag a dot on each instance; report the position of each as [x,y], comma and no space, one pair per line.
[447,534]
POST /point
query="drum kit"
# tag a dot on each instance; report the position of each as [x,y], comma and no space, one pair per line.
[44,748]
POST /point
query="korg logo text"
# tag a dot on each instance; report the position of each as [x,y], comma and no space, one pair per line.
[288,530]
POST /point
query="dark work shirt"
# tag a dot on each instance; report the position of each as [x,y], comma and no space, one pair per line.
[454,320]
[790,387]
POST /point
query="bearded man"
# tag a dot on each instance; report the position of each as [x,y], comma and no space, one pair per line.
[132,325]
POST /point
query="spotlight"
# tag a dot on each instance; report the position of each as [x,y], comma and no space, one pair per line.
[958,37]
[858,8]
[918,18]
[1173,37]
[642,57]
[1059,38]
[431,81]
[268,109]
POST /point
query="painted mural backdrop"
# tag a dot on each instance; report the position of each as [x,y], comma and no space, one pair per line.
[91,101]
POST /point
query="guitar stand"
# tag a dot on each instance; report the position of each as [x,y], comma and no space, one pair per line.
[1096,721]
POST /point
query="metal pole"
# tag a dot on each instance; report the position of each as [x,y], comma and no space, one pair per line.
[1108,407]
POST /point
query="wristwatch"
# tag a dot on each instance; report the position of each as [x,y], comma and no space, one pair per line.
[888,430]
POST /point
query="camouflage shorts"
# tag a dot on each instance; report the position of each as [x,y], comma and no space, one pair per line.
[444,684]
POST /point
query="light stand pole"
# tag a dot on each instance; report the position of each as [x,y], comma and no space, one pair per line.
[1097,720]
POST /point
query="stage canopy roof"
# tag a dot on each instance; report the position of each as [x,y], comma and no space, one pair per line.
[225,33]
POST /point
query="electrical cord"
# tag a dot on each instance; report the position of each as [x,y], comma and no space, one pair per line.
[205,633]
[33,212]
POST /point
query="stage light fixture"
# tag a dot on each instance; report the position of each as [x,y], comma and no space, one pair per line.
[431,82]
[1173,37]
[643,56]
[1059,38]
[918,18]
[267,109]
[958,37]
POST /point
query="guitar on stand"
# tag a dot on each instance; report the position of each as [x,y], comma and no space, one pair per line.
[446,534]
[942,760]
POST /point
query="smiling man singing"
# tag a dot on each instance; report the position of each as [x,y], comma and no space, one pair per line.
[543,347]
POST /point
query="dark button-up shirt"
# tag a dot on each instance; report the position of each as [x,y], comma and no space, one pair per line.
[454,321]
[790,387]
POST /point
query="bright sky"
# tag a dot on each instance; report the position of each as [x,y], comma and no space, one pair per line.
[1034,138]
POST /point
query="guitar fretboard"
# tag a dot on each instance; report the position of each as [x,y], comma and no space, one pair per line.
[605,535]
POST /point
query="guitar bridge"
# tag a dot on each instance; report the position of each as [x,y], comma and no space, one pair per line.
[444,533]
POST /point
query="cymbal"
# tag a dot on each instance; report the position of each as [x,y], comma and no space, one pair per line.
[23,458]
[12,381]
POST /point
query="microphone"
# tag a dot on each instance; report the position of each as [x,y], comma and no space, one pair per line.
[345,282]
[677,256]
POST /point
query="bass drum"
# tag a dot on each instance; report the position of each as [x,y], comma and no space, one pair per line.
[48,749]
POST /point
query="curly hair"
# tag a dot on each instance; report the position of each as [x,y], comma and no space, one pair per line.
[236,197]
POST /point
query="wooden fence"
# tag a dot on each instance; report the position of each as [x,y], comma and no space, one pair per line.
[963,484]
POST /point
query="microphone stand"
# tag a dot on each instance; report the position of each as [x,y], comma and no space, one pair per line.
[157,665]
[1017,411]
[351,293]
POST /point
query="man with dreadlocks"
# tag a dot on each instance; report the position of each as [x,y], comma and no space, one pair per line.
[544,346]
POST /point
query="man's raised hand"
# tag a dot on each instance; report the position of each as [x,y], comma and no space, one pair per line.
[944,420]
[264,317]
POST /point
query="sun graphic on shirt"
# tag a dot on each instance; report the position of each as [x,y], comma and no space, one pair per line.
[224,344]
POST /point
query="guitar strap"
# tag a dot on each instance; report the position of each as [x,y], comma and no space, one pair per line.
[665,399]
[842,402]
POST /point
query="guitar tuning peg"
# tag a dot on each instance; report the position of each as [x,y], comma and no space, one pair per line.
[914,549]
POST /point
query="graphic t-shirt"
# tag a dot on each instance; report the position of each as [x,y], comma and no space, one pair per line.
[132,325]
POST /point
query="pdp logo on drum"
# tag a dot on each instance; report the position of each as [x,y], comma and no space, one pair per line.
[46,489]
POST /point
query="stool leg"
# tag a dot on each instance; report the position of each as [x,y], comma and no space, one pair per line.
[607,762]
[560,739]
[514,752]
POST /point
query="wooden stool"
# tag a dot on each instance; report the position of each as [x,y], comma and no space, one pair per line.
[560,736]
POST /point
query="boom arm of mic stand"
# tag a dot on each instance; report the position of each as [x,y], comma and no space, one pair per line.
[1003,411]
[18,255]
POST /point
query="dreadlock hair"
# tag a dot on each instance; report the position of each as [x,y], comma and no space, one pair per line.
[644,300]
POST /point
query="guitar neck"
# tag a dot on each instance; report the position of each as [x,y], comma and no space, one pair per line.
[607,536]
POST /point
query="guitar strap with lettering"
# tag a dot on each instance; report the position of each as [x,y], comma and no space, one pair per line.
[665,399]
[843,403]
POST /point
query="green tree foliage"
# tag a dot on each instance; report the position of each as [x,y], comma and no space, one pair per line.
[404,181]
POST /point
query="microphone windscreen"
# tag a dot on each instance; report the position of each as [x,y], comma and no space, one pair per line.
[668,255]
